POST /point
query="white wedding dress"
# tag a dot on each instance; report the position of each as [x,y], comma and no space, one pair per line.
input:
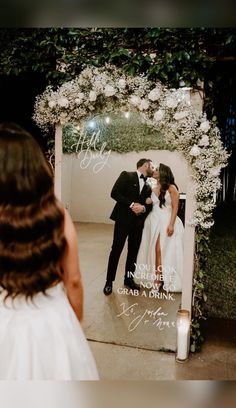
[156,224]
[43,340]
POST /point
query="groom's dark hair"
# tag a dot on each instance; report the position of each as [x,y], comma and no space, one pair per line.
[142,161]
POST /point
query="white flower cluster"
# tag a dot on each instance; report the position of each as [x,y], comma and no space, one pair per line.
[100,90]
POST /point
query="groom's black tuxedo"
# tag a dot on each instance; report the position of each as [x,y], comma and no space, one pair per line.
[126,191]
[127,224]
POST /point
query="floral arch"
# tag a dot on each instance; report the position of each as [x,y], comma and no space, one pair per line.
[108,89]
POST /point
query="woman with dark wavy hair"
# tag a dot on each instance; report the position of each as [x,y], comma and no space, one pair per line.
[160,256]
[41,293]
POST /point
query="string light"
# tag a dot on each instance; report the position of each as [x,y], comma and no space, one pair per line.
[91,124]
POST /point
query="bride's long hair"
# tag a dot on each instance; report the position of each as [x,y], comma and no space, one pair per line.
[166,179]
[31,219]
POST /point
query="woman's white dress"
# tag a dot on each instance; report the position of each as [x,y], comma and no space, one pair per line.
[156,224]
[43,340]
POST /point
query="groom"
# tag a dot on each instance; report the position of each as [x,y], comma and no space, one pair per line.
[130,192]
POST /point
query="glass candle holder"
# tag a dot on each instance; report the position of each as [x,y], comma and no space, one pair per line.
[183,335]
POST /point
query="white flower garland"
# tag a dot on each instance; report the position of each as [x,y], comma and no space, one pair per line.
[100,90]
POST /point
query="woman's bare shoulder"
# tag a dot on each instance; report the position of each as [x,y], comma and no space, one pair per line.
[69,229]
[70,235]
[172,188]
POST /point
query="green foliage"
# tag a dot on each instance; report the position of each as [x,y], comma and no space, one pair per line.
[170,55]
[121,135]
[220,266]
[196,337]
[167,54]
[202,250]
[202,243]
[69,139]
[27,50]
[215,268]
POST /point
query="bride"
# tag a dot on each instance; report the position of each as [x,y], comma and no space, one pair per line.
[41,291]
[160,257]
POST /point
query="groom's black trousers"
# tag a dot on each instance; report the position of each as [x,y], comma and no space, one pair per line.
[122,231]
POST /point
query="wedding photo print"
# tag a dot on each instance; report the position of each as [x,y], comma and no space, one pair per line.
[124,248]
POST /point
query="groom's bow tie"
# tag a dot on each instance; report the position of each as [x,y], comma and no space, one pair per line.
[143,177]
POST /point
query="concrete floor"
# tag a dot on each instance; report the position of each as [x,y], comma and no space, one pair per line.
[216,361]
[135,356]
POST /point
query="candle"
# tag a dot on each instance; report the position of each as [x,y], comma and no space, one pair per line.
[183,332]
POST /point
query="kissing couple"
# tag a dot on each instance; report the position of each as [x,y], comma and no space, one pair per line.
[146,214]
